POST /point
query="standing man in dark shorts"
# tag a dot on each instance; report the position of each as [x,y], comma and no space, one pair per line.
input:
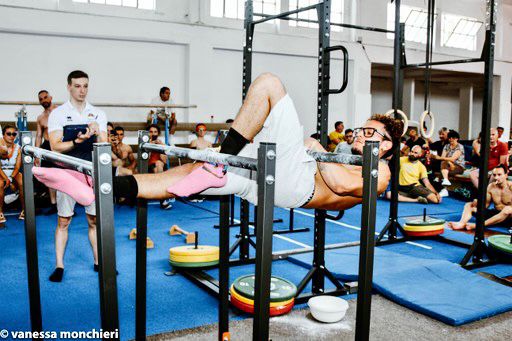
[43,141]
[76,111]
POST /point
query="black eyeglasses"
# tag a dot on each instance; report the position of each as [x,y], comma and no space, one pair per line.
[11,134]
[369,132]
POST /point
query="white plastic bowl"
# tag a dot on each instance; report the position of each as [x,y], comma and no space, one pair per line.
[328,309]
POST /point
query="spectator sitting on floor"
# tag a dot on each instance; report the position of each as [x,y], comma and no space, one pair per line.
[157,162]
[345,147]
[414,140]
[10,169]
[413,185]
[500,131]
[200,143]
[124,153]
[336,136]
[452,159]
[499,192]
[436,148]
[498,154]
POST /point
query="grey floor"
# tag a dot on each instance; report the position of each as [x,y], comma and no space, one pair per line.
[389,321]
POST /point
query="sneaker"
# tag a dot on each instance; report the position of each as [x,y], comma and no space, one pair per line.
[446,182]
[422,200]
[196,200]
[10,198]
[165,204]
[444,193]
[436,179]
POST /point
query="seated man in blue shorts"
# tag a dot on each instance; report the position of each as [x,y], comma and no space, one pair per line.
[268,115]
[499,192]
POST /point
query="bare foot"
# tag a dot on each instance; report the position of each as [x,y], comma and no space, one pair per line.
[470,226]
[456,225]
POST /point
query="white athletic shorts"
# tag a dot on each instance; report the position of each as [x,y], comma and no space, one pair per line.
[66,206]
[295,169]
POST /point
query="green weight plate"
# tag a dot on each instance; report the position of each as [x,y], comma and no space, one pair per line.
[193,264]
[429,221]
[280,288]
[501,242]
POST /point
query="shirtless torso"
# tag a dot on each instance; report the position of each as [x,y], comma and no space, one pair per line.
[200,143]
[501,196]
[42,126]
[124,155]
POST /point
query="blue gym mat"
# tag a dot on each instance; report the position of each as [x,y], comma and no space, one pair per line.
[434,287]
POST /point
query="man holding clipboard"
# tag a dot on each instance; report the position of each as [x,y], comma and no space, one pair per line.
[73,127]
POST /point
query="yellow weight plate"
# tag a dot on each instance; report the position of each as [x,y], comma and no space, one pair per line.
[189,250]
[251,302]
[194,259]
[420,228]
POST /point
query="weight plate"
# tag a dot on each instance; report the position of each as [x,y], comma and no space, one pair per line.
[428,221]
[423,228]
[193,264]
[280,288]
[194,259]
[501,242]
[189,250]
[248,301]
[274,311]
[424,233]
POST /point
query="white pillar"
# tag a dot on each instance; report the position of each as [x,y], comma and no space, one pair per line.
[466,112]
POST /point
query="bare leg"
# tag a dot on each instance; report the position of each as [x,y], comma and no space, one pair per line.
[466,216]
[264,93]
[53,196]
[445,169]
[19,183]
[153,186]
[433,198]
[91,220]
[61,239]
[401,198]
[474,177]
[498,218]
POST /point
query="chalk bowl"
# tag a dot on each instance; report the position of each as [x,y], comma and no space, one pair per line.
[328,309]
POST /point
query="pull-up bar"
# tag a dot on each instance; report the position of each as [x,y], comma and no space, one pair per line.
[67,161]
[445,62]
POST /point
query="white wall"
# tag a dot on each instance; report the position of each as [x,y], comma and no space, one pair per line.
[130,54]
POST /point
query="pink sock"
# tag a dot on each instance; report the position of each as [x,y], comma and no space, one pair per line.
[198,180]
[86,179]
[64,181]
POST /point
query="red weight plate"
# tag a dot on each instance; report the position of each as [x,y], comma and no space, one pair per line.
[424,234]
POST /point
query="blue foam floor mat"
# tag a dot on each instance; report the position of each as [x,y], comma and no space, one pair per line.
[434,287]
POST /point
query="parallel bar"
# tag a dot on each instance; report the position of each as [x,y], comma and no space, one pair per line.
[203,155]
[61,159]
[367,248]
[34,292]
[141,251]
[347,159]
[357,27]
[224,267]
[444,62]
[284,14]
[108,105]
[266,188]
[102,161]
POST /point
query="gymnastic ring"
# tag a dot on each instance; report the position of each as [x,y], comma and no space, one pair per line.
[422,121]
[403,116]
[248,301]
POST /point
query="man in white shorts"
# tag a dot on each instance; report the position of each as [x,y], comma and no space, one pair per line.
[268,115]
[76,111]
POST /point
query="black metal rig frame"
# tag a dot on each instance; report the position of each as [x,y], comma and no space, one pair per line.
[266,178]
[101,170]
[478,254]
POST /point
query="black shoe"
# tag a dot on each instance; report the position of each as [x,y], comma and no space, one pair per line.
[57,275]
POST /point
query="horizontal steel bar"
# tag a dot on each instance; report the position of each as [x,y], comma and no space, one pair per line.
[113,105]
[347,159]
[268,17]
[445,62]
[62,159]
[203,155]
[356,27]
[286,253]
